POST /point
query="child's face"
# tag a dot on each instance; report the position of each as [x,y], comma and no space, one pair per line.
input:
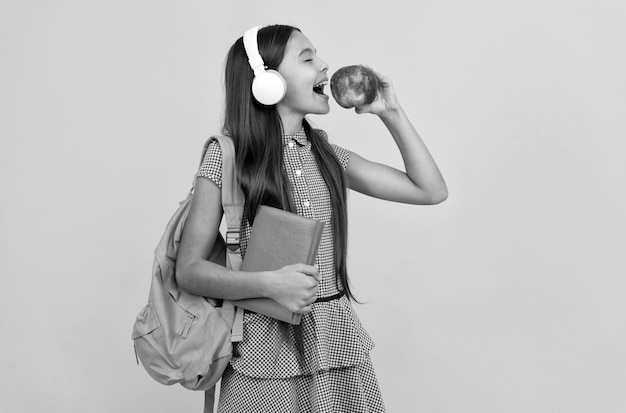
[303,71]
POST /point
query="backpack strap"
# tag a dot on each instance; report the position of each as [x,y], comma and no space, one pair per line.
[232,203]
[232,199]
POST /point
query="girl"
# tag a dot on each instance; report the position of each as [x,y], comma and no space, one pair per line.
[323,365]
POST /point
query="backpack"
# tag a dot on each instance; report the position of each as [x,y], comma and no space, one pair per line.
[184,338]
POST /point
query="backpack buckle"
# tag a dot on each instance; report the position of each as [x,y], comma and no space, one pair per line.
[232,240]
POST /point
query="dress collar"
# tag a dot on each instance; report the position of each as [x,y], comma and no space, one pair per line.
[299,137]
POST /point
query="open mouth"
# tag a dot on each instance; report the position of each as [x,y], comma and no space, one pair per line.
[319,88]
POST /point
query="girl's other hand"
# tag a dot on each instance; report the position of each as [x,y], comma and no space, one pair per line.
[386,100]
[295,287]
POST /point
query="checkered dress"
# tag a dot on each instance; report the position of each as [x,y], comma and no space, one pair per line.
[265,374]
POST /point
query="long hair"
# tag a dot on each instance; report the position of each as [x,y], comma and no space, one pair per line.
[257,134]
[256,129]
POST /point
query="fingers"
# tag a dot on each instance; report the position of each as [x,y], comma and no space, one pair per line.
[363,109]
[309,270]
[316,274]
[310,295]
[305,306]
[298,287]
[308,306]
[304,310]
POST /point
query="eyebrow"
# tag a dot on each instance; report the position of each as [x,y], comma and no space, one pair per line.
[307,50]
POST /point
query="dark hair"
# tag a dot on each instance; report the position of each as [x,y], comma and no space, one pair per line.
[257,134]
[256,129]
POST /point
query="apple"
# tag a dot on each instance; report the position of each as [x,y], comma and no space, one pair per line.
[354,86]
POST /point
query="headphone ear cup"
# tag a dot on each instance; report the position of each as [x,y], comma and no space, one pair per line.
[269,87]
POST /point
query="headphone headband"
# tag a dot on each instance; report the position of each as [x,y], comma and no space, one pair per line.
[251,45]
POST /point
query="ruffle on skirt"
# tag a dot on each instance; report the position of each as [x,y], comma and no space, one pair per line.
[333,338]
[343,390]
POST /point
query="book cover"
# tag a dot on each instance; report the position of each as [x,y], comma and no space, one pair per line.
[279,238]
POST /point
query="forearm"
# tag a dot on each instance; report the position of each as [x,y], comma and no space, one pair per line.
[212,280]
[418,162]
[293,286]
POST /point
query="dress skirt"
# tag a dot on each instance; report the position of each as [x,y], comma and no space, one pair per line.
[340,390]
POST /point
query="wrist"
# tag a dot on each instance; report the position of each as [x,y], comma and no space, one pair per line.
[265,279]
[392,115]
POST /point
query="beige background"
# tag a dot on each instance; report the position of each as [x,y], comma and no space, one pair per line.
[509,297]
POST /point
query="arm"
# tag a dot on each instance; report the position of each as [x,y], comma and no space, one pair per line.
[294,286]
[422,183]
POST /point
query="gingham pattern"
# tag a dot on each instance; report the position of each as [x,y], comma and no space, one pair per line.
[345,390]
[309,192]
[335,342]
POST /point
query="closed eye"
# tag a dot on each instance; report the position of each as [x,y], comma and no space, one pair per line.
[308,54]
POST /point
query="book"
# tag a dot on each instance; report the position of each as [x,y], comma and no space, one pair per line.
[279,238]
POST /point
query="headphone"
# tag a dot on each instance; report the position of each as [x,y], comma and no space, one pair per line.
[268,86]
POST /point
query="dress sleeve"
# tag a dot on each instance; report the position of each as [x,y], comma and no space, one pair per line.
[211,166]
[342,154]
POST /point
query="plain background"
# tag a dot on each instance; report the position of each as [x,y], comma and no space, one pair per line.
[509,297]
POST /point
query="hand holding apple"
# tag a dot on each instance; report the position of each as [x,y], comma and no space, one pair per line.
[364,89]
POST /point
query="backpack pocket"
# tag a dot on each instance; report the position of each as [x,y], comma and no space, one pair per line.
[152,348]
[146,322]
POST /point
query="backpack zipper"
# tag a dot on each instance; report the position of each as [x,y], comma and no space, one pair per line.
[184,330]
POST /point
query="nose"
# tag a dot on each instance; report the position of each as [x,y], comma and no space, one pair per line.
[324,66]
